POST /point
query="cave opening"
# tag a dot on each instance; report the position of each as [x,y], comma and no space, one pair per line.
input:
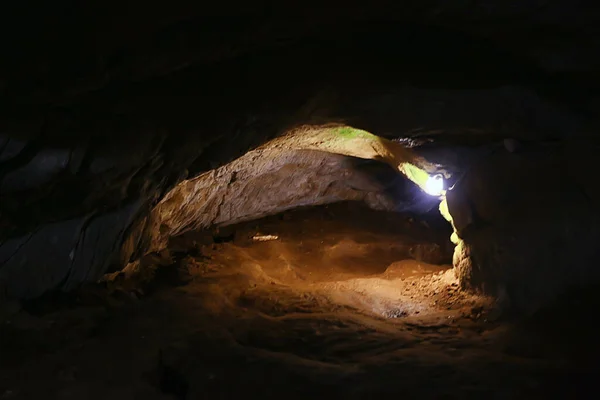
[400,202]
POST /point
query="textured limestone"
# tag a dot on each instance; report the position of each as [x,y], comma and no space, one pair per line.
[127,108]
[528,225]
[262,182]
[271,180]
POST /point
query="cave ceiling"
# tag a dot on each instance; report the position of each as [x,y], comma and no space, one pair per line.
[55,52]
[108,102]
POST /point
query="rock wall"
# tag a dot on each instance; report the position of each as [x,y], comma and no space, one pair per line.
[119,148]
[63,254]
[528,224]
[113,110]
[271,180]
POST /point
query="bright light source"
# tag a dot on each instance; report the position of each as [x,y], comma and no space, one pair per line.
[435,185]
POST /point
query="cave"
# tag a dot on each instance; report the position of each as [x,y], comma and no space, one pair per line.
[335,200]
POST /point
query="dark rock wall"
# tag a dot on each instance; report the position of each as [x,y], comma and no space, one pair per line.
[103,112]
[528,224]
[64,254]
[74,47]
[116,161]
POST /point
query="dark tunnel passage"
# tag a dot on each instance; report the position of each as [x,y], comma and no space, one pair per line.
[359,201]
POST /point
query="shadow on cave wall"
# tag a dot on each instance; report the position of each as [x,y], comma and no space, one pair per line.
[84,161]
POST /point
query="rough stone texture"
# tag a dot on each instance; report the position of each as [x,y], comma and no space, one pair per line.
[134,159]
[63,254]
[270,180]
[113,104]
[528,224]
[107,155]
[102,154]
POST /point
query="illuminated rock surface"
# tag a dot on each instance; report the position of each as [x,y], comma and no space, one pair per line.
[126,126]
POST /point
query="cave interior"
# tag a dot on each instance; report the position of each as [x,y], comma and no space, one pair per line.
[333,200]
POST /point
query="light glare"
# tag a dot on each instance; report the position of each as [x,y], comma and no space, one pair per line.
[434,185]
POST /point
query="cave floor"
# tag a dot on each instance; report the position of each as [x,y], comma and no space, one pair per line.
[337,302]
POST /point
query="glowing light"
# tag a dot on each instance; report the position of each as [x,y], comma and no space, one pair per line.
[435,185]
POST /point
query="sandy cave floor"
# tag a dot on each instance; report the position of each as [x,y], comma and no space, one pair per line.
[337,301]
